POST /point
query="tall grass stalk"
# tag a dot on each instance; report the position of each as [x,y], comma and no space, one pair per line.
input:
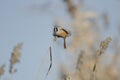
[43,61]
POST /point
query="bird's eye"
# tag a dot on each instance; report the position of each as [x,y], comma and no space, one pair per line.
[55,29]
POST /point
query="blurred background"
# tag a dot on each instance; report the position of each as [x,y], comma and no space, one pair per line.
[26,28]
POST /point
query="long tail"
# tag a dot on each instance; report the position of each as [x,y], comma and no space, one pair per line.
[64,43]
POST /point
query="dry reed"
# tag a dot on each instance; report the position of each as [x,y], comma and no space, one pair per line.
[86,36]
[2,71]
[103,46]
[15,57]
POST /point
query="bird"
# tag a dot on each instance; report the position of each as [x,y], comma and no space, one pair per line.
[59,32]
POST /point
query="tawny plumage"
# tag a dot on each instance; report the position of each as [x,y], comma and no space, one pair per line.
[59,32]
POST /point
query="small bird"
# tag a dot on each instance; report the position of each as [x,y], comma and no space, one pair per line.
[59,32]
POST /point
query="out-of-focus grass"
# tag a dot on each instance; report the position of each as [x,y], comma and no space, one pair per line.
[86,36]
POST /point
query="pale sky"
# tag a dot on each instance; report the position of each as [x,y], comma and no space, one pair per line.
[19,23]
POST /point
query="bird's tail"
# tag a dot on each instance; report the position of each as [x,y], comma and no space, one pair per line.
[64,43]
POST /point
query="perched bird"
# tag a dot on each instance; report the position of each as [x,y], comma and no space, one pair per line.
[59,32]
